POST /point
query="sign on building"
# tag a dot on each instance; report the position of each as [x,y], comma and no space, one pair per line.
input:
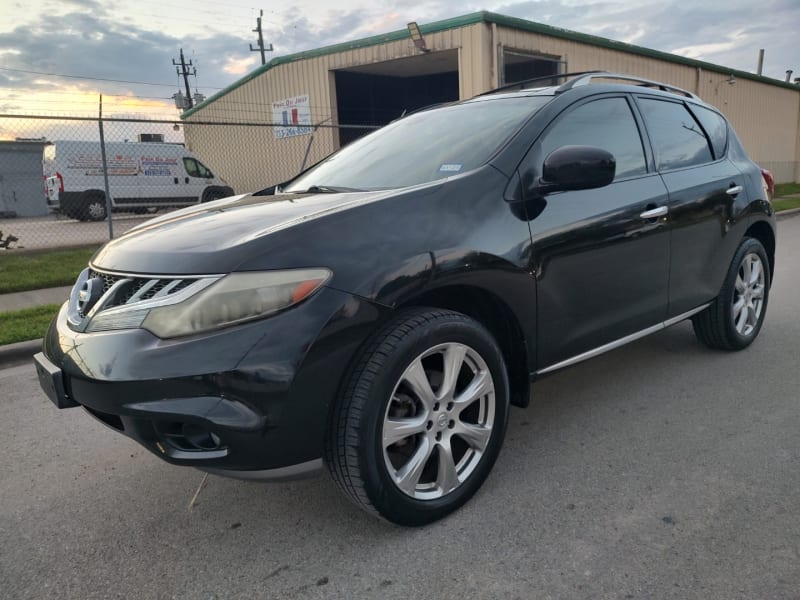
[293,117]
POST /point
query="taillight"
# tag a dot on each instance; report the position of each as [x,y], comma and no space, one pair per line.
[769,182]
[60,183]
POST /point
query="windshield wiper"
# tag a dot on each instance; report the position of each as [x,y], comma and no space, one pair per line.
[328,189]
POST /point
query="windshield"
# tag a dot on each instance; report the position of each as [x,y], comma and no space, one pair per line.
[422,147]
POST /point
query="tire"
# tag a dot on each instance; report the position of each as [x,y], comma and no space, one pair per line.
[94,208]
[399,391]
[213,195]
[735,317]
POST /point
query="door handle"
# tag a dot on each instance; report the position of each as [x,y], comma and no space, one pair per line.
[186,180]
[175,179]
[654,213]
[734,191]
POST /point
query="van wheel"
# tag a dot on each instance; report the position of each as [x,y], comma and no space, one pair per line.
[213,195]
[421,418]
[94,208]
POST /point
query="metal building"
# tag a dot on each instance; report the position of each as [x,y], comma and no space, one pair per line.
[21,185]
[375,80]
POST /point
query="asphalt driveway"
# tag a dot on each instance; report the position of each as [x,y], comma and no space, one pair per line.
[661,470]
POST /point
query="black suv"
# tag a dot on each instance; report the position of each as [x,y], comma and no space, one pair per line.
[379,313]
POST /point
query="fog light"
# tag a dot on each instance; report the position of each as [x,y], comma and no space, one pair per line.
[188,437]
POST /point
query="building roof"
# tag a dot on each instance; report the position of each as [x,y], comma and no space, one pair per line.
[505,21]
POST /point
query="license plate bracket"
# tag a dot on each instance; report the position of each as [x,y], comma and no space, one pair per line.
[51,379]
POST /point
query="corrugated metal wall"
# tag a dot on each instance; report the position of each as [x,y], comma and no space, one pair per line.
[251,158]
[766,117]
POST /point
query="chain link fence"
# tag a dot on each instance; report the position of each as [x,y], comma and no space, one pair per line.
[78,181]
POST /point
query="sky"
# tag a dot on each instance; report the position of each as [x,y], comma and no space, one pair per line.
[135,42]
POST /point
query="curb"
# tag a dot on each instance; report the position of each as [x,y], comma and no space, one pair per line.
[21,352]
[787,213]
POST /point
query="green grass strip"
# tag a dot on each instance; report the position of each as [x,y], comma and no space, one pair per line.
[26,324]
[780,204]
[784,189]
[39,270]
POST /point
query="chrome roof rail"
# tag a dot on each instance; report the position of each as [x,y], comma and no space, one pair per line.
[521,85]
[586,79]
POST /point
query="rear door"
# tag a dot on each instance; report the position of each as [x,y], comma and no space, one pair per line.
[601,262]
[690,152]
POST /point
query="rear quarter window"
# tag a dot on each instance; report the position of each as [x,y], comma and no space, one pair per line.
[716,127]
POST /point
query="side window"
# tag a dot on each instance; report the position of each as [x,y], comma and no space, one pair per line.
[678,140]
[203,171]
[191,167]
[608,124]
[716,127]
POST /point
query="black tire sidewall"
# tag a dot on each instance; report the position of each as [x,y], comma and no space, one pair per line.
[380,488]
[748,246]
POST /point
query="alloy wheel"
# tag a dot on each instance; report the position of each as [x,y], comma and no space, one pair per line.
[439,421]
[748,294]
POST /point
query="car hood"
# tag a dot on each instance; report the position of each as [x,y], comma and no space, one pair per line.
[217,236]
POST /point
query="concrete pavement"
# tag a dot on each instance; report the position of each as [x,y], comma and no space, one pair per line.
[32,298]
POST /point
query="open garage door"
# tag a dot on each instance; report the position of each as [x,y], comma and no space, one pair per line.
[379,93]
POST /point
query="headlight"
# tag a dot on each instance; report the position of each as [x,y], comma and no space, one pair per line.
[234,299]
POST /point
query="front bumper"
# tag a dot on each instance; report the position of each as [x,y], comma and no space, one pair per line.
[250,401]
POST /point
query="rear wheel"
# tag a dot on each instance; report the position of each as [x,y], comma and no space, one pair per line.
[735,317]
[94,208]
[421,419]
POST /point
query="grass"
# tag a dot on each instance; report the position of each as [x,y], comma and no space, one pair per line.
[38,270]
[784,189]
[780,204]
[26,324]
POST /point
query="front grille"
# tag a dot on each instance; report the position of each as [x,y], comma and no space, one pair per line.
[138,289]
[124,300]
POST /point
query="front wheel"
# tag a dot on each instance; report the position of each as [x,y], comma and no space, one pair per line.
[735,317]
[421,419]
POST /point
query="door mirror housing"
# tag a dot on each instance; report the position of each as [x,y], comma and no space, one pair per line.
[577,168]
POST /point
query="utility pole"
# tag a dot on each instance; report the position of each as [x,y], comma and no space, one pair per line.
[182,68]
[260,40]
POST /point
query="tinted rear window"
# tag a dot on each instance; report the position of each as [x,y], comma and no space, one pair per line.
[678,140]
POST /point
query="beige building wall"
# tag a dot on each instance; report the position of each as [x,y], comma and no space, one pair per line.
[766,117]
[250,158]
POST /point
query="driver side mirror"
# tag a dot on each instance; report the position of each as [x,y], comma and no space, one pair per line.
[576,168]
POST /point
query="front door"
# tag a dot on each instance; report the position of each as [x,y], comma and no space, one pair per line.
[601,256]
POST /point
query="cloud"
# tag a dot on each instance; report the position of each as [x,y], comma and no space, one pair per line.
[239,66]
[729,33]
[83,37]
[95,46]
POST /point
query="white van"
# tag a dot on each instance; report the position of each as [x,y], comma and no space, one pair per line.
[142,176]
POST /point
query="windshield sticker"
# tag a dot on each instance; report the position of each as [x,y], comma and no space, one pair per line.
[451,167]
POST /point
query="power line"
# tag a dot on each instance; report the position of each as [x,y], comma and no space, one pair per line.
[87,77]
